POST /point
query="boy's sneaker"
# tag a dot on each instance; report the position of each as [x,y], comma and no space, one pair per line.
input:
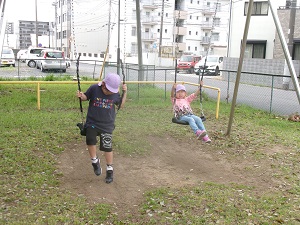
[109,176]
[200,134]
[97,168]
[206,139]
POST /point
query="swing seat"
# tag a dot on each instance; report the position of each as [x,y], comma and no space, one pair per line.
[175,120]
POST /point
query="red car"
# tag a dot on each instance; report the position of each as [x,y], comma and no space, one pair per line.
[187,63]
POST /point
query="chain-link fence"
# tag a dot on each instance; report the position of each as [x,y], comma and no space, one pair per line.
[258,90]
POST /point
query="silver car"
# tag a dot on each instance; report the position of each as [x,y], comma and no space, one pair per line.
[8,57]
[50,59]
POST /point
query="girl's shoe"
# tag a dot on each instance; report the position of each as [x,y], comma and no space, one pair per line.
[206,139]
[200,134]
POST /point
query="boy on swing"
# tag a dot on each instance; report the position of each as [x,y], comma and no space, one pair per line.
[183,111]
[100,120]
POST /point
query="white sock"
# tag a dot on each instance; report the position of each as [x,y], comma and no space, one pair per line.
[109,167]
[94,160]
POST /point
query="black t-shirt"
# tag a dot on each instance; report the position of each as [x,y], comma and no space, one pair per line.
[101,112]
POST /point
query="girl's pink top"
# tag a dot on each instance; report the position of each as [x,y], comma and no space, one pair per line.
[182,106]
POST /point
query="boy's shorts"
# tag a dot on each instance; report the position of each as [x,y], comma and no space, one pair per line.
[105,139]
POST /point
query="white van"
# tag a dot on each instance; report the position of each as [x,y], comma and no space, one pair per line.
[213,65]
[8,57]
[32,55]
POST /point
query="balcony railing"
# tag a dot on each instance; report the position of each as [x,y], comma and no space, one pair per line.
[149,36]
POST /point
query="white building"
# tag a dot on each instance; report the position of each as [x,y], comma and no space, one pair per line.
[262,30]
[182,25]
[177,26]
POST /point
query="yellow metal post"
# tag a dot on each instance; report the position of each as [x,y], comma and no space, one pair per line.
[38,96]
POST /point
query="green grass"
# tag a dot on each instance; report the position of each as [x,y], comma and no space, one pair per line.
[31,142]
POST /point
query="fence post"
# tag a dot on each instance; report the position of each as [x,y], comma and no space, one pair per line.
[272,90]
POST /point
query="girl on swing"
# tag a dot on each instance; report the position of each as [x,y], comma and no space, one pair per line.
[183,111]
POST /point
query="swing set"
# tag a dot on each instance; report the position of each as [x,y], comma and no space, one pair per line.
[203,118]
[174,119]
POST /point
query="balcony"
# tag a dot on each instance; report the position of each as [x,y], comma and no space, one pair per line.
[149,37]
[181,15]
[205,40]
[208,10]
[179,30]
[206,25]
[149,4]
[149,20]
[180,46]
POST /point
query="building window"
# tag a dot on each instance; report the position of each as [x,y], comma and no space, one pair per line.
[259,8]
[64,34]
[217,22]
[215,37]
[256,49]
[190,32]
[189,48]
[133,15]
[133,31]
[166,31]
[197,33]
[296,53]
[134,48]
[196,49]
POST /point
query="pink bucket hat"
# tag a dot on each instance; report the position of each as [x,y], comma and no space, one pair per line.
[180,87]
[112,82]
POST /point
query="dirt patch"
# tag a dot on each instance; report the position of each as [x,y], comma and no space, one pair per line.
[171,163]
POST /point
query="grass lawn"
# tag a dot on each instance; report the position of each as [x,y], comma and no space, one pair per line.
[32,141]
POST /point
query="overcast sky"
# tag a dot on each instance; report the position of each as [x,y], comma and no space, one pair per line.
[25,10]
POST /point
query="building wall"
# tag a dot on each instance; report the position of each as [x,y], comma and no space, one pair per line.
[27,28]
[284,18]
[261,28]
[260,68]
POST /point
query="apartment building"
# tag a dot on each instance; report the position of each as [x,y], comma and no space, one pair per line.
[178,26]
[175,27]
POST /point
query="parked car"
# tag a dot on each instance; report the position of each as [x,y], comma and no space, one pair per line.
[22,55]
[213,65]
[50,59]
[8,57]
[32,55]
[187,63]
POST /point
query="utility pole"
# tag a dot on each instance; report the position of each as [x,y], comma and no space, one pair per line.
[161,27]
[292,26]
[139,41]
[2,24]
[61,23]
[55,19]
[118,49]
[36,26]
[286,80]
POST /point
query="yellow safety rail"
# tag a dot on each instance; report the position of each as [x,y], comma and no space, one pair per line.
[38,83]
